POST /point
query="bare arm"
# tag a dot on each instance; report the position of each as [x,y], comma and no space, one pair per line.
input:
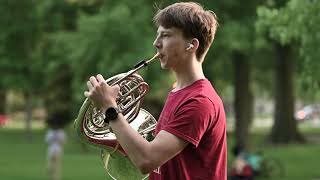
[147,156]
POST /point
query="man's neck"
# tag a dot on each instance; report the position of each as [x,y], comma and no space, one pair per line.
[188,75]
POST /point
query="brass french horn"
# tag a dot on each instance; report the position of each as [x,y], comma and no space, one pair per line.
[91,128]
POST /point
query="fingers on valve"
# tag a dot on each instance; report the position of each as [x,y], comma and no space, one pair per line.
[90,87]
[93,81]
[100,78]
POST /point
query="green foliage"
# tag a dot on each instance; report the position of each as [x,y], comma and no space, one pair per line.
[58,98]
[20,32]
[238,37]
[57,91]
[121,34]
[295,23]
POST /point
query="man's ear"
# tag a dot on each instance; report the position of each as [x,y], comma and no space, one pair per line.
[193,44]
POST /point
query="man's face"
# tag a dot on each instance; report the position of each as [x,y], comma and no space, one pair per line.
[171,45]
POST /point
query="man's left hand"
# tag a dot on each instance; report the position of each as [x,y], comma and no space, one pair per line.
[101,94]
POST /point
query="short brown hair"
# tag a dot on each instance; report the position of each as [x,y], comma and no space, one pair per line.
[193,20]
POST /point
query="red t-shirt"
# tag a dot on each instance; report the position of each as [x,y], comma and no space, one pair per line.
[195,114]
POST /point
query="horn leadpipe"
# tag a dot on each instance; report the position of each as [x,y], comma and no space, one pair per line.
[137,68]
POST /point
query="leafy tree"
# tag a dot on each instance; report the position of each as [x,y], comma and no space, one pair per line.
[58,18]
[288,27]
[20,64]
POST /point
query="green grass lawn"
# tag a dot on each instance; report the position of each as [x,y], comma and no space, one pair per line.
[300,161]
[23,160]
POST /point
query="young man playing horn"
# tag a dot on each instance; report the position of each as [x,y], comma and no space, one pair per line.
[190,141]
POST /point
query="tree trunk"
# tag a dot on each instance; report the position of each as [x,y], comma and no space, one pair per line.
[28,115]
[284,129]
[243,99]
[58,99]
[2,102]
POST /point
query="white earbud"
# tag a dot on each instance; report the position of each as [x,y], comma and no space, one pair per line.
[190,46]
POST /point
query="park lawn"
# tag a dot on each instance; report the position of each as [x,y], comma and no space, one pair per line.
[299,161]
[23,160]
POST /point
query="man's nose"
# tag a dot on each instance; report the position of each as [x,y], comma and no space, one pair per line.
[157,43]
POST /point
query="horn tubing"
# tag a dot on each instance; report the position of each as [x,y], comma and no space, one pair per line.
[136,69]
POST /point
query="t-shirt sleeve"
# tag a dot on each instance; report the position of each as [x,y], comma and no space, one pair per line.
[191,119]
